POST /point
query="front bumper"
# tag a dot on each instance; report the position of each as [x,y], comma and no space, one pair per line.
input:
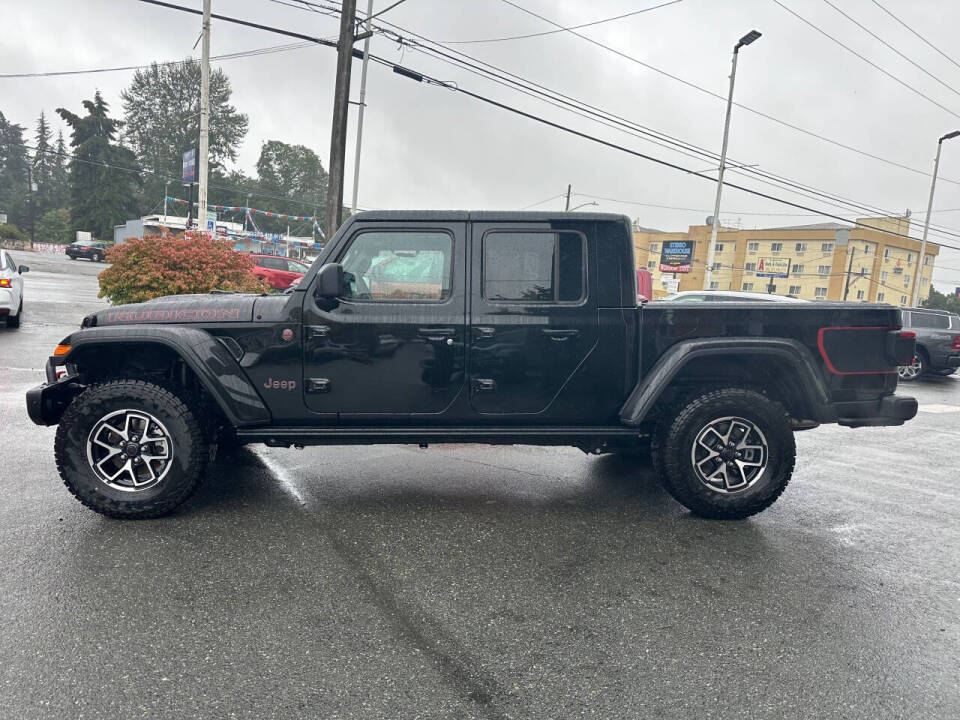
[46,402]
[888,410]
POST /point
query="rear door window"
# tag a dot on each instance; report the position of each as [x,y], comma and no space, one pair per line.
[546,267]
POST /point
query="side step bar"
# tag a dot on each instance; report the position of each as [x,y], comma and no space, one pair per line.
[403,435]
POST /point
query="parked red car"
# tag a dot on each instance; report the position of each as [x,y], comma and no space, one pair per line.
[277,270]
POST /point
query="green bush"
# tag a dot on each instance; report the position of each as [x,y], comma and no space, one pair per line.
[9,231]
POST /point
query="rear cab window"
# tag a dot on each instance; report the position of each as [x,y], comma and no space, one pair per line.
[932,321]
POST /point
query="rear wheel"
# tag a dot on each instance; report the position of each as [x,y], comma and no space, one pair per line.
[913,371]
[130,449]
[97,257]
[726,453]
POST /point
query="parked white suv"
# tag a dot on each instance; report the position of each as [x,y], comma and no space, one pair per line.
[11,289]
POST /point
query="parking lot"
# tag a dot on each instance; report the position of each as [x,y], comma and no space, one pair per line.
[475,582]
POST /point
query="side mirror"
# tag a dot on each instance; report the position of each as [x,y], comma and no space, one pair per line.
[23,268]
[330,281]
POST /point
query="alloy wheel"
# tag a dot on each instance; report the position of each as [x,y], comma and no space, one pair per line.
[729,454]
[129,450]
[913,370]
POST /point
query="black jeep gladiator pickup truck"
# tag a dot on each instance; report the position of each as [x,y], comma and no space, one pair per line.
[479,327]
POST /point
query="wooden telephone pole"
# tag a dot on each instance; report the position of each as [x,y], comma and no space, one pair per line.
[338,129]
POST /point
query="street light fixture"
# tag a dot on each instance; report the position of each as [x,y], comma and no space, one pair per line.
[582,205]
[742,42]
[926,222]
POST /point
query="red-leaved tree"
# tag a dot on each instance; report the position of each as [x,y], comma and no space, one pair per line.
[160,265]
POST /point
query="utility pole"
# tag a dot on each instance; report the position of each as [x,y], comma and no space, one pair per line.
[567,208]
[341,104]
[166,194]
[846,286]
[711,252]
[926,222]
[363,95]
[31,190]
[204,118]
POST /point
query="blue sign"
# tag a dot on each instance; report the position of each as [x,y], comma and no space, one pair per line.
[190,166]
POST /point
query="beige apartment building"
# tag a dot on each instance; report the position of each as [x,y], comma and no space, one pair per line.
[865,258]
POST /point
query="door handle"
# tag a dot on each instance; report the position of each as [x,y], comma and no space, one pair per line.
[483,332]
[437,334]
[317,331]
[560,335]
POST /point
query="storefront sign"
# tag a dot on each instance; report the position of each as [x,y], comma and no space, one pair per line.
[676,256]
[773,267]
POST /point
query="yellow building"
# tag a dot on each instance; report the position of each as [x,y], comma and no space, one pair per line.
[867,261]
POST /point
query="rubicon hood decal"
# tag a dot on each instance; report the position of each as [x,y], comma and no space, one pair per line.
[182,309]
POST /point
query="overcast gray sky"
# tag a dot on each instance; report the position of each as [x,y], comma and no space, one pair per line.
[427,147]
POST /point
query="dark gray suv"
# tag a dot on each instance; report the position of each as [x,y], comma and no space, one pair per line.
[938,342]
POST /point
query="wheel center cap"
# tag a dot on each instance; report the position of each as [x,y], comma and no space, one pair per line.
[132,449]
[728,454]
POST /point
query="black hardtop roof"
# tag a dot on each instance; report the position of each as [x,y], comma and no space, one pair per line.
[490,216]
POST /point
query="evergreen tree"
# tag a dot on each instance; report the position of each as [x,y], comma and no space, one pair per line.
[14,163]
[43,164]
[60,175]
[103,175]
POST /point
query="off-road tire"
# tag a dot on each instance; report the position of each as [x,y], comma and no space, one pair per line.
[13,321]
[676,434]
[187,465]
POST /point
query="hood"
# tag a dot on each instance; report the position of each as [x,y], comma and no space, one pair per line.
[178,310]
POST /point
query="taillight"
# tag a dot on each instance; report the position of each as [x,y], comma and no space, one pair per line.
[5,282]
[956,342]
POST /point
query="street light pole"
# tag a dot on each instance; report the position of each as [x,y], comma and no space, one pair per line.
[926,222]
[745,40]
[203,168]
[166,194]
[363,95]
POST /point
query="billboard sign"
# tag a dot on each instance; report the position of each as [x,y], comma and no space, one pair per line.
[773,267]
[190,166]
[676,256]
[211,221]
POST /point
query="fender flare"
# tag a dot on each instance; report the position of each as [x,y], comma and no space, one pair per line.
[650,387]
[215,367]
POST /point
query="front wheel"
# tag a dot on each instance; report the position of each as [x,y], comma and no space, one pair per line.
[130,449]
[726,453]
[97,257]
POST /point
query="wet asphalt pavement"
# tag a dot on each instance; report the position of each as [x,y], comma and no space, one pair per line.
[474,582]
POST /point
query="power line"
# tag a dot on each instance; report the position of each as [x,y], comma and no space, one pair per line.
[869,62]
[749,109]
[884,42]
[527,86]
[930,44]
[228,56]
[424,78]
[560,30]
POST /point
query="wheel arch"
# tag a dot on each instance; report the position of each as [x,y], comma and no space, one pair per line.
[100,353]
[784,369]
